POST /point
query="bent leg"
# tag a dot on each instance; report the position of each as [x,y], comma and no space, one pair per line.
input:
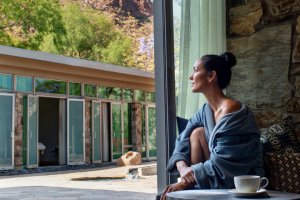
[199,146]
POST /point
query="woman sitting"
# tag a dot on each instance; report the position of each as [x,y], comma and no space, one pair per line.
[222,139]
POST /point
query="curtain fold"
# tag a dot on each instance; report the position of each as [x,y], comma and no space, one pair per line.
[203,24]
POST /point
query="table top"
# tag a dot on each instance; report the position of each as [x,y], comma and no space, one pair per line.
[221,194]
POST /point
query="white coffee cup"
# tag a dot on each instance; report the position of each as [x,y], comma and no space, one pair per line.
[249,183]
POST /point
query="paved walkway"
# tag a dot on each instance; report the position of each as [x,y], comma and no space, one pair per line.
[59,186]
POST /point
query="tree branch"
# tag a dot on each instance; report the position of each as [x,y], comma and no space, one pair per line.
[7,26]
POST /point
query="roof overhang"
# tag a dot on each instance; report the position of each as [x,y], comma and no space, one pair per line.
[45,65]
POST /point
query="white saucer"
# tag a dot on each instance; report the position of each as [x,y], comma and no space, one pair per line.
[247,194]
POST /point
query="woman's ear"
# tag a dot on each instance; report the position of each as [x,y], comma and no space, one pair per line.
[212,76]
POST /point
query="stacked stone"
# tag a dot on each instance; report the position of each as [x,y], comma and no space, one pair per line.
[136,125]
[18,131]
[265,37]
[88,141]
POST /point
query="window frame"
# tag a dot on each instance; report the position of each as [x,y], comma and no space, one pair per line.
[164,89]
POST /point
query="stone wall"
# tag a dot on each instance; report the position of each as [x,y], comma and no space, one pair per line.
[265,37]
[18,131]
[88,140]
[136,126]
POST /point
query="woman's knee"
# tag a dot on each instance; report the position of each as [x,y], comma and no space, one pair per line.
[197,134]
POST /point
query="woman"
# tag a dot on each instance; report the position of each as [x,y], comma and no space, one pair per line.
[222,139]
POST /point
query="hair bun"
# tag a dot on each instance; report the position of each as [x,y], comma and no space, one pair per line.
[229,58]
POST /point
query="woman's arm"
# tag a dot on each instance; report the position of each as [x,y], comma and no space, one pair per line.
[182,146]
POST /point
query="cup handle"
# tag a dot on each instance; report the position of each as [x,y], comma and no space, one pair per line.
[266,184]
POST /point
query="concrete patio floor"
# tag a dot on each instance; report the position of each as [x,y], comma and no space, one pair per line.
[59,186]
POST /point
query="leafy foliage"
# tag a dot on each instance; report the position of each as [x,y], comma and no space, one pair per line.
[24,23]
[71,28]
[90,35]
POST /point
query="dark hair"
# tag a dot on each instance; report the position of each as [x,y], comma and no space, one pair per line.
[222,65]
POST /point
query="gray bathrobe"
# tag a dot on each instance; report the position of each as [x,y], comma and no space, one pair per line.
[233,144]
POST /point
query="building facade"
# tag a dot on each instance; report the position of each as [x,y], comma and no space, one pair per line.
[56,110]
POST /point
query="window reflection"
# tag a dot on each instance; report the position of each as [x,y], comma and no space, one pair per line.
[128,94]
[6,82]
[139,95]
[24,83]
[110,93]
[50,86]
[150,97]
[90,90]
[74,89]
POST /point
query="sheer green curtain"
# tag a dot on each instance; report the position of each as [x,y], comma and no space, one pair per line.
[202,31]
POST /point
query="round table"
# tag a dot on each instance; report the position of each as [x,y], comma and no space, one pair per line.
[220,194]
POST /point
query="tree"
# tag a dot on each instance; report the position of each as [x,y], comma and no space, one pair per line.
[90,35]
[24,23]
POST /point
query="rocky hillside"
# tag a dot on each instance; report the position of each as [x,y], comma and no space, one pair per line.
[139,9]
[135,19]
[118,32]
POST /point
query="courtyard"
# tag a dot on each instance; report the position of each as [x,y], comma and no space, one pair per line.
[62,186]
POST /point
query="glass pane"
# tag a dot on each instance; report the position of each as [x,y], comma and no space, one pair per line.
[117,131]
[110,93]
[150,97]
[144,139]
[96,132]
[127,124]
[6,81]
[50,86]
[152,132]
[75,131]
[127,149]
[89,90]
[116,94]
[75,89]
[139,95]
[5,131]
[128,94]
[144,155]
[32,131]
[24,83]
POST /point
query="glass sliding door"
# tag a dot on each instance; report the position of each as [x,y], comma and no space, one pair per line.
[127,127]
[7,107]
[116,130]
[105,130]
[96,133]
[76,131]
[32,131]
[144,134]
[151,131]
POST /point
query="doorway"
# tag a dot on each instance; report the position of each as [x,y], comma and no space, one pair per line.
[48,133]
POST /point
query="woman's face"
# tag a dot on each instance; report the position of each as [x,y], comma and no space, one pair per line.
[199,78]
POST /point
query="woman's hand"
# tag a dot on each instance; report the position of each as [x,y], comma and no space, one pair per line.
[188,176]
[186,173]
[175,187]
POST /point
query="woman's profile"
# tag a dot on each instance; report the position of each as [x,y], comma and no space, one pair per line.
[222,139]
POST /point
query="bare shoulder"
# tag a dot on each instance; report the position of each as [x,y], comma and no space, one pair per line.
[231,105]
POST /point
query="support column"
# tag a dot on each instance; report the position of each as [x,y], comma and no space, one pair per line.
[88,139]
[136,126]
[18,159]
